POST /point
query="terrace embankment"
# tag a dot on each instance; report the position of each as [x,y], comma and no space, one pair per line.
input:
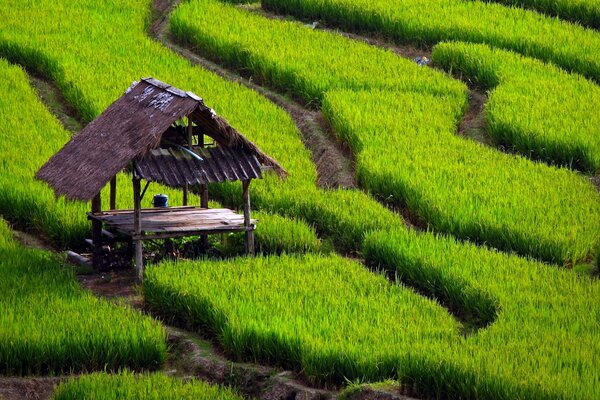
[192,356]
[473,123]
[333,159]
[52,97]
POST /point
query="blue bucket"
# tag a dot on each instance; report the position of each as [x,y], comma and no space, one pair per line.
[160,200]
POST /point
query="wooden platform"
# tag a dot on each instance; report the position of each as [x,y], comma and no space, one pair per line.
[169,222]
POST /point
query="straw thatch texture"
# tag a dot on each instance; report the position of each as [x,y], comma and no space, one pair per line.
[127,130]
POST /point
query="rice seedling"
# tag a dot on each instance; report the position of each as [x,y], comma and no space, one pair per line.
[427,22]
[126,385]
[400,121]
[329,316]
[82,66]
[32,204]
[460,186]
[584,12]
[537,109]
[49,325]
[544,340]
[326,315]
[335,321]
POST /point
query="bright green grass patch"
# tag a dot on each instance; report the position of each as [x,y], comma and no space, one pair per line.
[126,386]
[334,320]
[304,62]
[584,12]
[49,325]
[534,108]
[6,238]
[461,186]
[431,21]
[545,341]
[406,148]
[329,316]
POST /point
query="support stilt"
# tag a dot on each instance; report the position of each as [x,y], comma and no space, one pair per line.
[137,225]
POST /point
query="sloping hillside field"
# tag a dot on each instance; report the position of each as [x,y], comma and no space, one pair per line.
[460,266]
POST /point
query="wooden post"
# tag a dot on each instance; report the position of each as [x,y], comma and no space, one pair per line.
[186,189]
[137,235]
[97,233]
[203,194]
[247,223]
[113,193]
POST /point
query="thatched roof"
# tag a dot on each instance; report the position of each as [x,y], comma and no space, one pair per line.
[128,130]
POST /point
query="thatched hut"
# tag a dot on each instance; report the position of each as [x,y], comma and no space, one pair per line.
[138,132]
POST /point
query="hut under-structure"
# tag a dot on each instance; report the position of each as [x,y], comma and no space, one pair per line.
[158,133]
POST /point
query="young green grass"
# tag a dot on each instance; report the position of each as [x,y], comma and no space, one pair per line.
[333,320]
[426,22]
[544,342]
[329,316]
[127,385]
[32,204]
[91,82]
[400,120]
[49,325]
[100,47]
[535,108]
[461,186]
[584,12]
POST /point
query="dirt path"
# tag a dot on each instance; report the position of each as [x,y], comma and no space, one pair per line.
[334,161]
[39,388]
[54,100]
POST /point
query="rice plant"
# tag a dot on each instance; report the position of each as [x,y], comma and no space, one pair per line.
[329,316]
[48,324]
[321,314]
[126,385]
[535,108]
[400,121]
[427,22]
[544,342]
[335,321]
[584,12]
[460,186]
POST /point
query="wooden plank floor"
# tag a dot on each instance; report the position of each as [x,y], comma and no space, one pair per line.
[174,221]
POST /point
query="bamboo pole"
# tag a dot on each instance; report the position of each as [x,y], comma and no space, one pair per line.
[190,131]
[97,232]
[113,193]
[247,223]
[137,236]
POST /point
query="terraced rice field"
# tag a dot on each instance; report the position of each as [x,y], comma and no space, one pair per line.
[456,268]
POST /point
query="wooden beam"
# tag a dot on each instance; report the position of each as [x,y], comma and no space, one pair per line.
[97,233]
[113,193]
[247,221]
[137,227]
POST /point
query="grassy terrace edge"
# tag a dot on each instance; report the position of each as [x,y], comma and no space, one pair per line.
[456,186]
[343,215]
[562,127]
[424,22]
[127,385]
[335,321]
[49,325]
